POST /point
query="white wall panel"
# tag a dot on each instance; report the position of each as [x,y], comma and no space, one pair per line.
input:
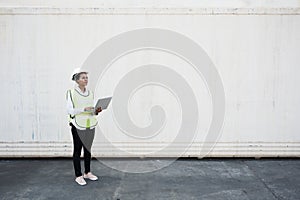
[255,50]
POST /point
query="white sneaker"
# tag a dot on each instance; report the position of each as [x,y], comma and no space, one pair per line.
[80,180]
[90,176]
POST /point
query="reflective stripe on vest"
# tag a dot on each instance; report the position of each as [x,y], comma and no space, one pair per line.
[84,119]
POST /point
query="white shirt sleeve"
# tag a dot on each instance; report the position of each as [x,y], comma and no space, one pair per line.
[70,109]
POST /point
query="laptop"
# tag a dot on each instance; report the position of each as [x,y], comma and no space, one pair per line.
[103,103]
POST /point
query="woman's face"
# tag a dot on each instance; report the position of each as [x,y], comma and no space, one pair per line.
[83,80]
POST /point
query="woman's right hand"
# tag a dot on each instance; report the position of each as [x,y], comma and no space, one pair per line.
[88,109]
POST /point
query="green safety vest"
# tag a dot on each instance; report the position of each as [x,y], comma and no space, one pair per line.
[84,119]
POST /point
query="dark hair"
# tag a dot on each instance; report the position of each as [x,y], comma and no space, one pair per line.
[76,76]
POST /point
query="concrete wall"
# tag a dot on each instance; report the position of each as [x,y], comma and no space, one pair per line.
[254,45]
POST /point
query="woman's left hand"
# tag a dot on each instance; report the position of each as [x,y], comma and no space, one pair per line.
[98,110]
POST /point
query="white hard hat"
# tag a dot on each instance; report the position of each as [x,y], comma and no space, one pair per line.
[77,71]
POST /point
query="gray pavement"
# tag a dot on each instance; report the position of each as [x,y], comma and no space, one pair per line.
[237,179]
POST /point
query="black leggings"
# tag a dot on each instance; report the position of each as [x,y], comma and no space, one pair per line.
[82,138]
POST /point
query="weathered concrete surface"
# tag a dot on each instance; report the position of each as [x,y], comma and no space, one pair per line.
[184,179]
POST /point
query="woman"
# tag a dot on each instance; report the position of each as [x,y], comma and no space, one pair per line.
[83,122]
